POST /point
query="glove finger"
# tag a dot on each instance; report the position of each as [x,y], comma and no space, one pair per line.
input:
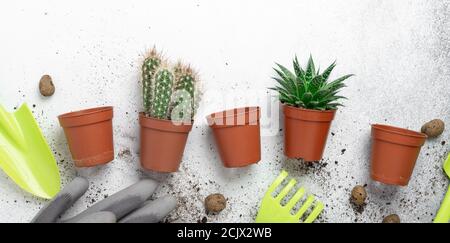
[123,202]
[61,202]
[152,211]
[97,218]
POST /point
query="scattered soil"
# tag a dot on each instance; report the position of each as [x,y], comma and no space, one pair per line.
[204,220]
[124,153]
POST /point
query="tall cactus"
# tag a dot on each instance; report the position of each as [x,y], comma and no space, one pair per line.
[163,84]
[149,68]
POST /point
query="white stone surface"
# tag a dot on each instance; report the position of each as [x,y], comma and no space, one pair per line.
[399,50]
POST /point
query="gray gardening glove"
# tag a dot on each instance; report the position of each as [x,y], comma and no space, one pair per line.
[130,205]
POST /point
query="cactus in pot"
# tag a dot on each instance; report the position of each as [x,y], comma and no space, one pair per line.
[171,97]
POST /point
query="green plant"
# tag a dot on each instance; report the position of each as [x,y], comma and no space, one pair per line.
[309,88]
[185,98]
[163,89]
[170,91]
[149,68]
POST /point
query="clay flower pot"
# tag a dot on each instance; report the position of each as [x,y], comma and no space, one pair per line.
[237,135]
[89,134]
[162,144]
[306,132]
[394,154]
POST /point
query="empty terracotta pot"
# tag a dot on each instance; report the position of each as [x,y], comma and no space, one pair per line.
[162,144]
[89,134]
[237,135]
[394,154]
[306,132]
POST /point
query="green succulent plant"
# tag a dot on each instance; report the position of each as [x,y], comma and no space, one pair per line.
[309,88]
[170,91]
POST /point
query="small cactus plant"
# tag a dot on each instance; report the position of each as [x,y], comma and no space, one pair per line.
[170,91]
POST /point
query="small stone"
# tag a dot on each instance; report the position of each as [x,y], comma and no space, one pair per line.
[359,195]
[392,219]
[215,203]
[433,128]
[46,86]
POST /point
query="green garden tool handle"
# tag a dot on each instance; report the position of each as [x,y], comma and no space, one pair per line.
[443,216]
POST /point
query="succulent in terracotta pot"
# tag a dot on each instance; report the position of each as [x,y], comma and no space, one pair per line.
[171,97]
[310,100]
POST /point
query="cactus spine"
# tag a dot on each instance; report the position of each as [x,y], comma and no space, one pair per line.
[149,68]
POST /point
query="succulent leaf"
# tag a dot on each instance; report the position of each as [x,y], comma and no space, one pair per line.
[311,69]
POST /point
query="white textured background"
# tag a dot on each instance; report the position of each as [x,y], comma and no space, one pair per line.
[399,50]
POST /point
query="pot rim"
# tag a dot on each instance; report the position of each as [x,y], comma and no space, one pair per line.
[85,112]
[309,110]
[309,115]
[399,131]
[163,124]
[234,113]
[86,116]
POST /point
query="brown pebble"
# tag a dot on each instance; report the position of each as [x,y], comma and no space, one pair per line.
[433,128]
[46,86]
[359,195]
[391,219]
[215,203]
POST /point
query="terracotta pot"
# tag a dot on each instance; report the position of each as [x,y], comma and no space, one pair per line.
[306,132]
[237,135]
[394,154]
[162,144]
[89,134]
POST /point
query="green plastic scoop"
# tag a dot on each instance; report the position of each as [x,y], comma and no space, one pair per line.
[25,155]
[443,216]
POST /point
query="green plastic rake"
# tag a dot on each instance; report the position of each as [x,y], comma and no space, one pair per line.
[272,210]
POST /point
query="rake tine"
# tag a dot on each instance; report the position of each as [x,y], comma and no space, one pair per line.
[305,207]
[286,190]
[294,200]
[277,182]
[315,213]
